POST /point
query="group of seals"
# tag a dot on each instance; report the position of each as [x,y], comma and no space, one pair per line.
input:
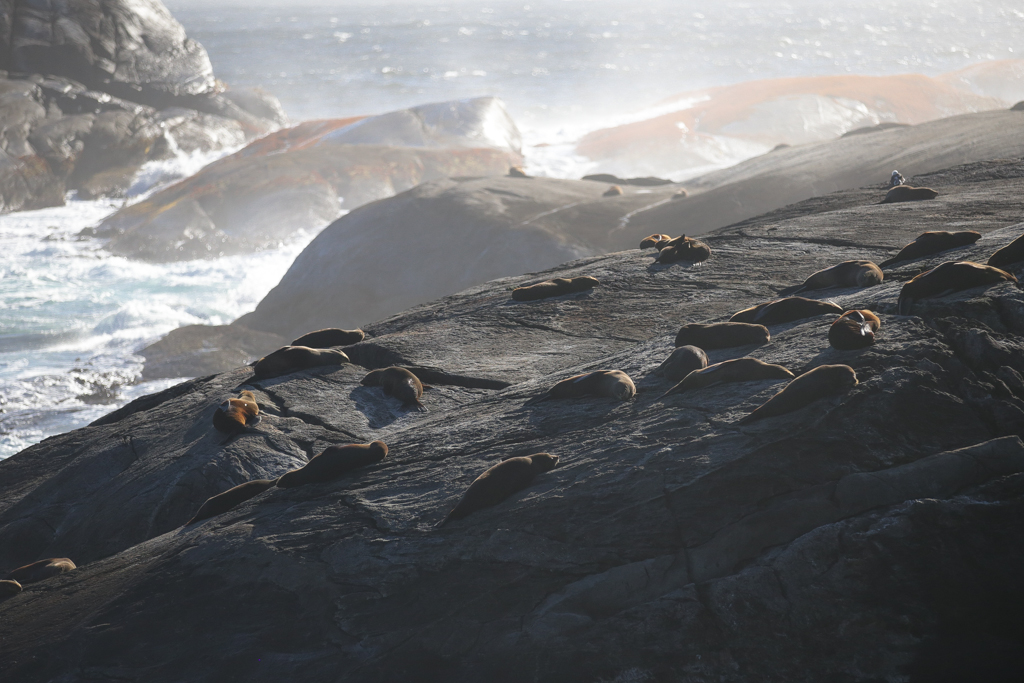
[236,415]
[397,382]
[610,383]
[499,482]
[289,359]
[682,248]
[653,240]
[556,287]
[784,311]
[858,273]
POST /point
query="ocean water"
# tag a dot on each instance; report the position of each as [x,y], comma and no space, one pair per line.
[73,316]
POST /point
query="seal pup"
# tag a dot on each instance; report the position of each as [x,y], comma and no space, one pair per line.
[613,191]
[846,274]
[42,569]
[682,362]
[9,588]
[784,311]
[397,382]
[556,287]
[328,337]
[932,242]
[499,482]
[948,277]
[906,193]
[1011,253]
[653,240]
[611,383]
[736,370]
[289,359]
[682,248]
[854,330]
[334,462]
[237,415]
[222,502]
[822,381]
[722,335]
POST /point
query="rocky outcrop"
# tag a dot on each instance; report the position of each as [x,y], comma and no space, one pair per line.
[874,535]
[300,179]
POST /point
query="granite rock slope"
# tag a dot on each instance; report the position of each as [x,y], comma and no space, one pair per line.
[870,536]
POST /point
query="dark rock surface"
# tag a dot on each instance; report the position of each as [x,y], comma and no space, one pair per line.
[195,350]
[870,536]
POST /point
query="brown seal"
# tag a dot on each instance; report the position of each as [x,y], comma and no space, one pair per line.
[722,335]
[736,370]
[236,415]
[556,287]
[905,193]
[289,359]
[854,330]
[951,276]
[222,502]
[613,191]
[499,482]
[9,588]
[1011,253]
[683,248]
[822,381]
[517,172]
[683,361]
[681,194]
[328,337]
[334,462]
[611,383]
[933,242]
[784,311]
[653,240]
[43,569]
[397,382]
[846,274]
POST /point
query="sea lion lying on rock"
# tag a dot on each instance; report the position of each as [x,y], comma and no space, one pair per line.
[682,362]
[613,191]
[854,330]
[736,370]
[288,359]
[948,277]
[334,462]
[331,336]
[784,311]
[933,242]
[653,240]
[610,383]
[556,287]
[236,415]
[845,274]
[499,482]
[1011,253]
[397,382]
[9,588]
[42,569]
[906,193]
[722,335]
[222,502]
[822,381]
[683,248]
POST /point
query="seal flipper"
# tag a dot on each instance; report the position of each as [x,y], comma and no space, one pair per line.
[538,399]
[791,291]
[415,405]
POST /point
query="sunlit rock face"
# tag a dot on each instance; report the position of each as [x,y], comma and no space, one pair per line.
[301,178]
[701,130]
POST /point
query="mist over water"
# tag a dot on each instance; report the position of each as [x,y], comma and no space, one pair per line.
[73,316]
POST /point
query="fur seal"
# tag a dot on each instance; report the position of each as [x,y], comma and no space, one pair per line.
[951,276]
[906,193]
[331,336]
[845,274]
[222,502]
[289,359]
[653,240]
[854,330]
[613,191]
[683,248]
[611,383]
[9,588]
[784,311]
[556,287]
[683,361]
[933,242]
[397,382]
[1011,253]
[681,194]
[517,172]
[334,462]
[499,482]
[236,415]
[736,370]
[824,380]
[43,569]
[722,335]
